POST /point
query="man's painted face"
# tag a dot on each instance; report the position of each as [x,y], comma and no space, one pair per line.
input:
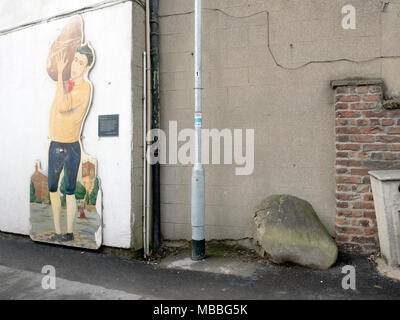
[79,65]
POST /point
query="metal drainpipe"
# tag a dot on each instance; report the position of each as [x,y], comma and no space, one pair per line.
[155,64]
[148,143]
[145,243]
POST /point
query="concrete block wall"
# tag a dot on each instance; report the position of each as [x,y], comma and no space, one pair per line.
[290,110]
[367,138]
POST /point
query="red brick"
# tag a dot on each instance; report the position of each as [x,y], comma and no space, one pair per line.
[374,122]
[389,156]
[362,155]
[359,172]
[372,130]
[347,114]
[395,147]
[363,223]
[374,147]
[342,205]
[362,90]
[394,131]
[362,106]
[372,231]
[362,139]
[344,213]
[372,97]
[341,187]
[342,154]
[341,90]
[345,130]
[351,147]
[375,89]
[362,122]
[342,138]
[348,163]
[342,238]
[342,170]
[368,197]
[350,98]
[348,180]
[371,114]
[349,213]
[346,230]
[341,122]
[388,139]
[341,106]
[342,221]
[369,214]
[344,196]
[387,122]
[363,205]
[392,114]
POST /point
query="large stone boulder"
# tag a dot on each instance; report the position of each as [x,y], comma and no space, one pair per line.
[289,230]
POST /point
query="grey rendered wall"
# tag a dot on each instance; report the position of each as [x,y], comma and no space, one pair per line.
[138,46]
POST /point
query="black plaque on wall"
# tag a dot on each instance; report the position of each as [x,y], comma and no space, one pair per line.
[109,125]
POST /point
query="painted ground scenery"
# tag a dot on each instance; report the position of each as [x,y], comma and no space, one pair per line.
[87,222]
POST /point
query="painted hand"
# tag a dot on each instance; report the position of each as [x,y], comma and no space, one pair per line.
[61,62]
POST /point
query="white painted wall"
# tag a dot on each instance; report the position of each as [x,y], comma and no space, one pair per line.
[26,94]
[16,12]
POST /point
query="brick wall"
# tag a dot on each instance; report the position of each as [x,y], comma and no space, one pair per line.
[367,138]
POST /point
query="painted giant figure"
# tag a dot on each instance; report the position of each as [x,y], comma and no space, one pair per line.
[71,174]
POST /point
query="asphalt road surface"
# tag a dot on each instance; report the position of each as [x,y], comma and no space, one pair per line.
[92,275]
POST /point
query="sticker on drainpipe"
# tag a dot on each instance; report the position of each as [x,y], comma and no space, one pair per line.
[198,120]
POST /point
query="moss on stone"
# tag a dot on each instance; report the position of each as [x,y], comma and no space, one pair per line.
[280,198]
[391,104]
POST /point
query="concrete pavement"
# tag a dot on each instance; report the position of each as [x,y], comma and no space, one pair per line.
[92,275]
[20,285]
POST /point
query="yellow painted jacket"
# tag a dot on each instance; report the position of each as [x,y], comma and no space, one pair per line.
[65,127]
